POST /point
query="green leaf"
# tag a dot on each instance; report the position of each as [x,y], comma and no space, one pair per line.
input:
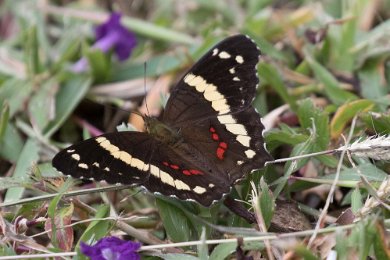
[305,253]
[370,171]
[61,233]
[381,241]
[12,144]
[9,182]
[4,116]
[177,257]
[379,123]
[32,51]
[346,112]
[222,251]
[349,177]
[371,81]
[156,66]
[276,137]
[269,74]
[96,229]
[310,117]
[356,200]
[15,92]
[28,157]
[331,86]
[269,49]
[6,250]
[68,97]
[203,248]
[290,167]
[42,99]
[100,64]
[150,30]
[176,223]
[267,202]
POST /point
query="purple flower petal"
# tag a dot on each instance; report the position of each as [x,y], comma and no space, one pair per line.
[121,39]
[111,35]
[111,248]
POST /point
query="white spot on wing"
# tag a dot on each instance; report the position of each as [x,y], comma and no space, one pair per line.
[166,178]
[211,185]
[215,51]
[227,119]
[70,150]
[109,147]
[250,153]
[76,156]
[240,162]
[232,71]
[125,157]
[215,95]
[199,190]
[137,163]
[236,129]
[155,171]
[220,105]
[210,92]
[236,79]
[96,164]
[239,59]
[244,140]
[210,88]
[180,185]
[107,169]
[101,139]
[224,55]
[83,165]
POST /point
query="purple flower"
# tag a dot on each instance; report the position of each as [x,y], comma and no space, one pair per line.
[111,248]
[111,35]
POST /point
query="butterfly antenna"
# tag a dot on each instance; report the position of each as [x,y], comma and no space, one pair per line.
[146,103]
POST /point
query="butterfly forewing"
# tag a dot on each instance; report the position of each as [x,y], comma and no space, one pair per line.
[223,81]
[115,157]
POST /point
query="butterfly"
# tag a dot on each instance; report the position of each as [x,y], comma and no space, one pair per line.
[208,138]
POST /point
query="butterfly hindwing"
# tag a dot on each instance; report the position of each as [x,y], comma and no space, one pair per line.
[186,173]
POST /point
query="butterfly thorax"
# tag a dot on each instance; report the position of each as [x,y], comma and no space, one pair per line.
[161,131]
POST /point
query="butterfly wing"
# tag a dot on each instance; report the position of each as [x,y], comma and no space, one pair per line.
[115,157]
[211,105]
[223,81]
[221,134]
[137,158]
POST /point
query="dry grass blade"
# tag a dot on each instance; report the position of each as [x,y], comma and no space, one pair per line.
[383,192]
[377,147]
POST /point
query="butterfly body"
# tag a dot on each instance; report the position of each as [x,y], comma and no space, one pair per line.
[209,136]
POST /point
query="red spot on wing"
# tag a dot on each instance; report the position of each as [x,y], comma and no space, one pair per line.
[223,145]
[220,153]
[186,172]
[174,166]
[166,163]
[196,172]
